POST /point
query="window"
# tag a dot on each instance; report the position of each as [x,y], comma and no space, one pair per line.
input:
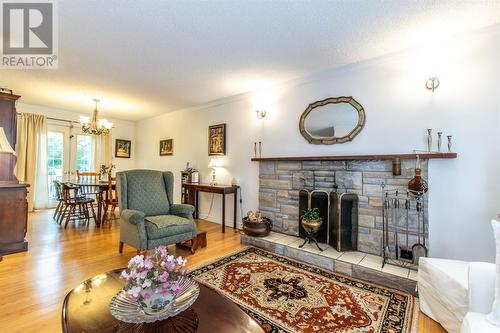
[84,153]
[55,142]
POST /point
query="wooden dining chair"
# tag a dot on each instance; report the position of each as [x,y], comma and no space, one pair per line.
[75,206]
[60,202]
[111,200]
[89,177]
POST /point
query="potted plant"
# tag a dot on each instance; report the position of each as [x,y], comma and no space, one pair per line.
[154,280]
[311,218]
[311,222]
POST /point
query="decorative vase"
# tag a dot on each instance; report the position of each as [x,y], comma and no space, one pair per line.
[439,141]
[449,143]
[152,302]
[418,184]
[429,139]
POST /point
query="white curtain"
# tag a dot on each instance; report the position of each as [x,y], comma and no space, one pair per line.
[31,151]
[101,150]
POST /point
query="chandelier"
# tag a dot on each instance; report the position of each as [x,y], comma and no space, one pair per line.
[95,126]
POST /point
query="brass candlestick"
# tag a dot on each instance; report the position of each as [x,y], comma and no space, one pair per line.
[429,139]
[439,141]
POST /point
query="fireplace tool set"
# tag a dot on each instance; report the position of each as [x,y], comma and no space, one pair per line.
[403,228]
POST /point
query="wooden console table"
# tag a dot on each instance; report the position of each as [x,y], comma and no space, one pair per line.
[218,189]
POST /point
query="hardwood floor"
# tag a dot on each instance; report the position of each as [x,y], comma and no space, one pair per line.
[34,283]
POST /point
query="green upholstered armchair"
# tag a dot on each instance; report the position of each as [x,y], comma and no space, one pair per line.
[149,217]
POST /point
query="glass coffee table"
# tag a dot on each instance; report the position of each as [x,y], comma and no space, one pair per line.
[85,309]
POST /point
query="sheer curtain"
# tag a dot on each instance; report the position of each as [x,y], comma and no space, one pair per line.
[101,150]
[31,151]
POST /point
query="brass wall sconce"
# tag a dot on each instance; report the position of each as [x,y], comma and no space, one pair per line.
[432,83]
[260,114]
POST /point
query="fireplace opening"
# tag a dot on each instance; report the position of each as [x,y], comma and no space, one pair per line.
[339,212]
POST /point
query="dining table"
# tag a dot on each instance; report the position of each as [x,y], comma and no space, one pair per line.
[101,188]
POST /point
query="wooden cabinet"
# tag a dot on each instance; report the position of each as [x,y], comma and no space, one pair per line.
[13,218]
[13,204]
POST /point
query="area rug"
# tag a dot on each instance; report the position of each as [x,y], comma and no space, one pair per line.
[284,295]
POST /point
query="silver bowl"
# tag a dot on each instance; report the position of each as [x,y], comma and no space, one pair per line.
[127,309]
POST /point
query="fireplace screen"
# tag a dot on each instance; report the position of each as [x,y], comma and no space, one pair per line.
[339,212]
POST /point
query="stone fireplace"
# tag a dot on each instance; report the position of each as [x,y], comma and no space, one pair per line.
[339,212]
[282,180]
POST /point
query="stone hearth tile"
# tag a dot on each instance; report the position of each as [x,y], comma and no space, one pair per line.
[396,270]
[311,248]
[372,261]
[384,279]
[310,258]
[268,245]
[274,236]
[286,240]
[343,267]
[330,252]
[352,257]
[413,275]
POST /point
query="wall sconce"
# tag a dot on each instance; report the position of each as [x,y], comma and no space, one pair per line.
[432,83]
[260,114]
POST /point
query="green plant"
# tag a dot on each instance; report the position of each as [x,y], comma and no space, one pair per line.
[311,214]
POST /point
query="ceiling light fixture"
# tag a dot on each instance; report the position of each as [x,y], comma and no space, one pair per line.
[260,114]
[95,126]
[432,83]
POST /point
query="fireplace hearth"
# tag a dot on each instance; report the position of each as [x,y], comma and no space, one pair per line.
[339,212]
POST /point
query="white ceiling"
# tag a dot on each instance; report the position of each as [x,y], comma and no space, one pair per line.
[144,58]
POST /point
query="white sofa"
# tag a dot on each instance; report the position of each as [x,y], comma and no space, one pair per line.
[457,294]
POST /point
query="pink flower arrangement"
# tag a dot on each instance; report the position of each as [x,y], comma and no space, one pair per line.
[158,273]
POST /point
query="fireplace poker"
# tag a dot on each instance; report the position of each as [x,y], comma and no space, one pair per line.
[419,249]
[396,223]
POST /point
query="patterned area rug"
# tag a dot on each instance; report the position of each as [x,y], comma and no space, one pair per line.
[288,296]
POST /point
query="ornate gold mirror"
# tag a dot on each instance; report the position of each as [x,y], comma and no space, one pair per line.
[332,120]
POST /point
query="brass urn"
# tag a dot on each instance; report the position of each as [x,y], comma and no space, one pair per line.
[311,226]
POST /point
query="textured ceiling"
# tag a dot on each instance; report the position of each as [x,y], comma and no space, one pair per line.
[144,58]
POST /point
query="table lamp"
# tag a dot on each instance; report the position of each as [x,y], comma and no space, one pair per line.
[214,163]
[4,143]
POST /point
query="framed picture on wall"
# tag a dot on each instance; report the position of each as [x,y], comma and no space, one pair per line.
[166,147]
[217,140]
[122,148]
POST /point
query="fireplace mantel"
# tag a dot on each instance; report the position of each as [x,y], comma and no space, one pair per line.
[423,156]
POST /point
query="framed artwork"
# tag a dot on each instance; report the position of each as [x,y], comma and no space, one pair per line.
[123,148]
[166,147]
[217,140]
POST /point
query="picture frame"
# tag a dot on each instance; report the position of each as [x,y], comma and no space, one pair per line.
[123,148]
[217,140]
[167,147]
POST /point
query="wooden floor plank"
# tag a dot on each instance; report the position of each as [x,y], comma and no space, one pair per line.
[33,284]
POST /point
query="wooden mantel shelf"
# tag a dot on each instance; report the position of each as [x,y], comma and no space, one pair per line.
[423,156]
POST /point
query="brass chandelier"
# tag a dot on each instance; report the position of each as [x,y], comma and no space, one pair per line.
[95,126]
